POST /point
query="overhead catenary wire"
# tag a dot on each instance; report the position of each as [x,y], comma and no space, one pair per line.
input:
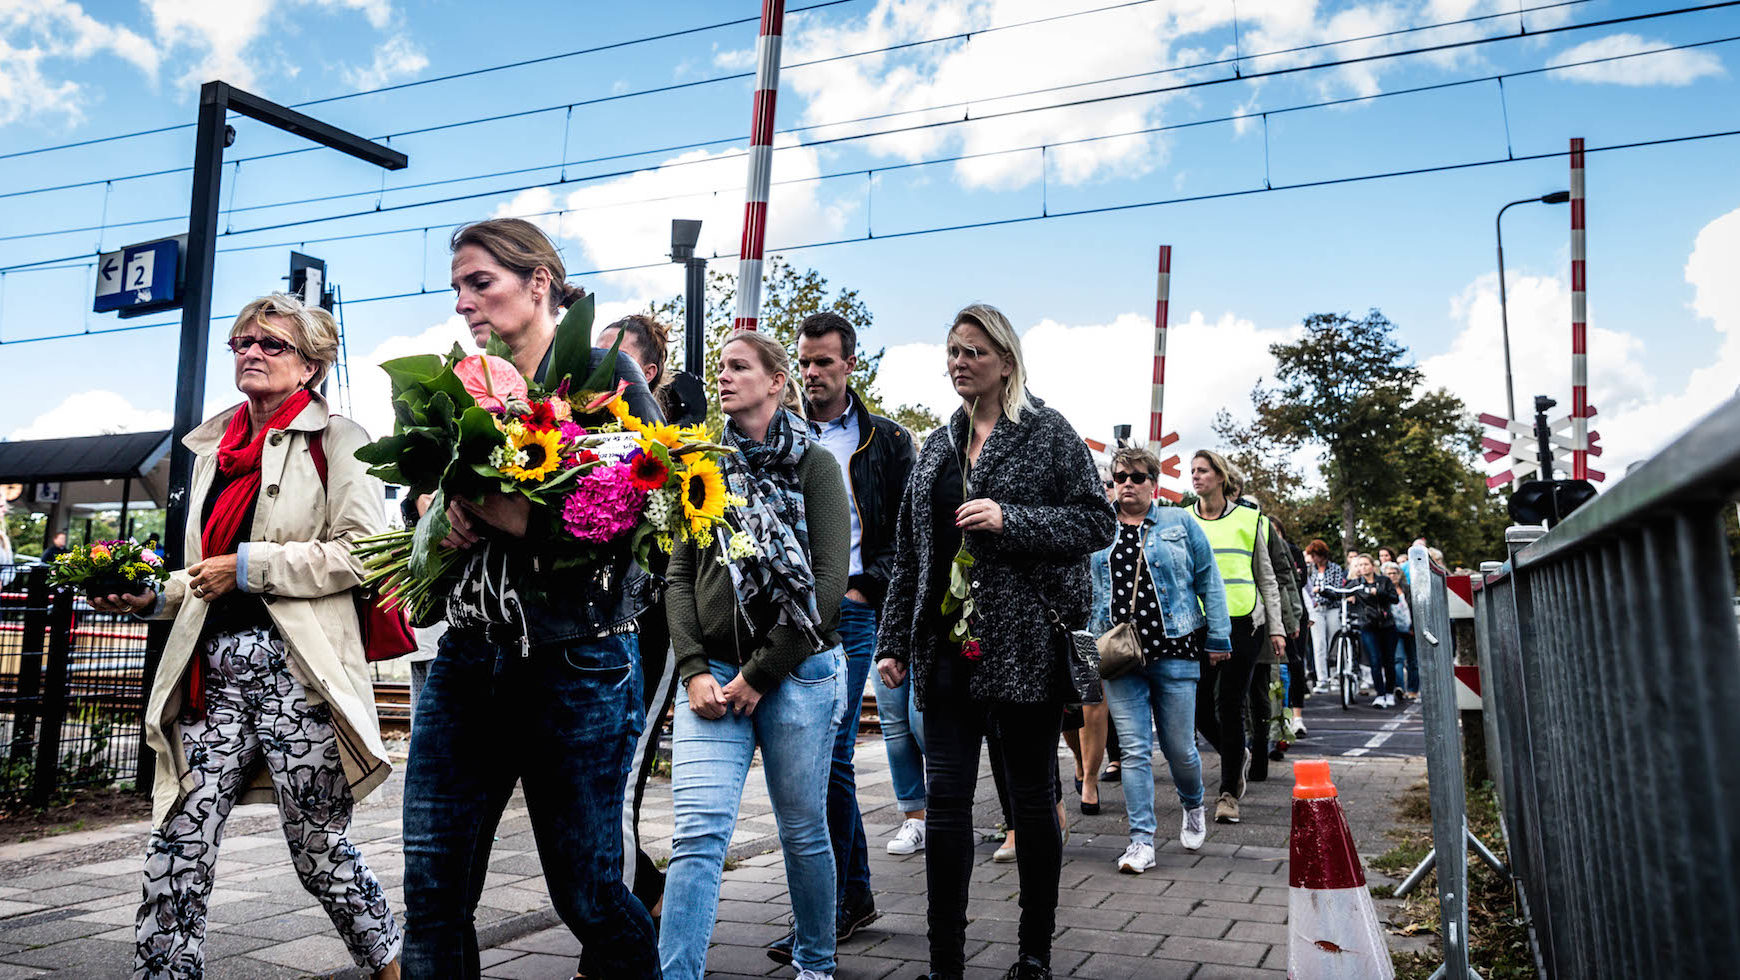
[84,260]
[739,76]
[1029,218]
[471,73]
[671,165]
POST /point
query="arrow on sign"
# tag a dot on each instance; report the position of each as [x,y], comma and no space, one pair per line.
[108,273]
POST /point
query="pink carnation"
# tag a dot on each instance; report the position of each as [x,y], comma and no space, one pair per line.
[571,431]
[604,505]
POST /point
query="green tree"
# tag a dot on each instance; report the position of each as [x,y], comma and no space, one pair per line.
[1397,464]
[788,294]
[1271,478]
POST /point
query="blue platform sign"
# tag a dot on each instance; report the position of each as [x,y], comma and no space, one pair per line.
[139,277]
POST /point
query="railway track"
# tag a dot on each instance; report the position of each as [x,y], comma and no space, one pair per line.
[393,705]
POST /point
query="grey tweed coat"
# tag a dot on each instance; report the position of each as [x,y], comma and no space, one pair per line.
[1055,516]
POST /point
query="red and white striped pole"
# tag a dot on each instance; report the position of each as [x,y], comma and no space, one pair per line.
[1579,323]
[760,164]
[1157,403]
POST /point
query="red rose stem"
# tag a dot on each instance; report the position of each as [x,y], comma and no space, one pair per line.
[1579,322]
[760,164]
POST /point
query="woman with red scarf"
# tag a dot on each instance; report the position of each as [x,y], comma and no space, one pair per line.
[263,692]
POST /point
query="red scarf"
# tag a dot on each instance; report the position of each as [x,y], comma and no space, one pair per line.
[239,459]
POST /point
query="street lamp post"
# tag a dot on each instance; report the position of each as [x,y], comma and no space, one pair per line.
[1556,197]
[684,234]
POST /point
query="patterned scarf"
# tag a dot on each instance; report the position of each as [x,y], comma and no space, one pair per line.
[776,584]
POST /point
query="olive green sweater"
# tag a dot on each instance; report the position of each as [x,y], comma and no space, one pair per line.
[701,603]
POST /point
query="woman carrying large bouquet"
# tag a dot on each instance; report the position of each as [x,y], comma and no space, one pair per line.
[537,680]
[263,689]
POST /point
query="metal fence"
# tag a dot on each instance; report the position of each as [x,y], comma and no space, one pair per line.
[1610,669]
[71,690]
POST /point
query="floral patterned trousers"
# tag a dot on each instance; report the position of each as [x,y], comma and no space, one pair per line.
[257,712]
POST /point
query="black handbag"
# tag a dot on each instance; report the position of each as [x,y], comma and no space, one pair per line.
[1079,658]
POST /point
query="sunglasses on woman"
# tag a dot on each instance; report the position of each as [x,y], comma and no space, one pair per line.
[1129,477]
[270,346]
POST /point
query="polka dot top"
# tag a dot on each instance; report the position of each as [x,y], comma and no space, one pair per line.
[1150,628]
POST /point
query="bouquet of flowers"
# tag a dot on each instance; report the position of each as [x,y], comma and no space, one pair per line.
[109,568]
[598,478]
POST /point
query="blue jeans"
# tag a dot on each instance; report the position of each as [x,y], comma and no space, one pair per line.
[845,824]
[561,722]
[1164,691]
[1406,657]
[793,725]
[1380,653]
[903,738]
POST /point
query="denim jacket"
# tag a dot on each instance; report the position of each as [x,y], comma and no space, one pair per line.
[1181,565]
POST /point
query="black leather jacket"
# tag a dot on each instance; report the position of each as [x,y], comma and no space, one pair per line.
[878,472]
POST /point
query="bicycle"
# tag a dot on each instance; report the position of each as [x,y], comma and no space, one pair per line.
[1344,646]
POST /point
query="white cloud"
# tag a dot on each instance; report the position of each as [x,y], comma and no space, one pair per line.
[1666,68]
[1634,416]
[1100,375]
[396,58]
[1638,429]
[224,37]
[33,32]
[92,413]
[627,221]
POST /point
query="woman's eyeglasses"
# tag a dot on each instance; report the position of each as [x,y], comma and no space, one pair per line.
[270,346]
[1129,477]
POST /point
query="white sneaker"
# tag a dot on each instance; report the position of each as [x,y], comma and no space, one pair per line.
[1382,701]
[909,839]
[1194,830]
[804,974]
[1137,858]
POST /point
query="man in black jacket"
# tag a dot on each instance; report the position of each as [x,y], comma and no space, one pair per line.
[875,456]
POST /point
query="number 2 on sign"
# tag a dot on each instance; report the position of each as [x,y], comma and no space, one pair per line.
[140,267]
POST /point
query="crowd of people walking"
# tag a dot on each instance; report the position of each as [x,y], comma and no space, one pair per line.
[958,574]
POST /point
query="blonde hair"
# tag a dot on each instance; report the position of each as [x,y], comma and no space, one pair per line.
[309,329]
[775,360]
[997,327]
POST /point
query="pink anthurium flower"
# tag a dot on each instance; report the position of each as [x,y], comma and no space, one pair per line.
[490,380]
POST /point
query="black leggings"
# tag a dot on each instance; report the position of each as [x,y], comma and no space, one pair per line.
[955,726]
[1220,699]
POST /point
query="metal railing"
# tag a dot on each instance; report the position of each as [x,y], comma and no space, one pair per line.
[72,690]
[1610,670]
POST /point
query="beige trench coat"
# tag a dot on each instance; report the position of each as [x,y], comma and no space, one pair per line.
[299,561]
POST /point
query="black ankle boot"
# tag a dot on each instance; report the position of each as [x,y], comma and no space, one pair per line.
[1028,968]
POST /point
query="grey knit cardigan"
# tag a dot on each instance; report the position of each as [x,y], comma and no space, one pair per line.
[1055,516]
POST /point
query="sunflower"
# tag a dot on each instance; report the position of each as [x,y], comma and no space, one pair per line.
[703,493]
[543,454]
[668,436]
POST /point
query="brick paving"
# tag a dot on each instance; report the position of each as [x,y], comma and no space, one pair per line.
[67,903]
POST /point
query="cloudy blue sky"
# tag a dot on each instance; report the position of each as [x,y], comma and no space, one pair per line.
[1664,221]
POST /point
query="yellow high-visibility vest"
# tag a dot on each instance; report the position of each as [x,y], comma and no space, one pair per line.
[1234,539]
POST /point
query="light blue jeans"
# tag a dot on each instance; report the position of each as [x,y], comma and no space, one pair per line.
[903,737]
[1164,691]
[793,725]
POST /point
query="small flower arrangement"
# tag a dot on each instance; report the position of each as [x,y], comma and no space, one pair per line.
[108,568]
[599,479]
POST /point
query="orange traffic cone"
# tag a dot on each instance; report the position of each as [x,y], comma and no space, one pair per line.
[1332,925]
